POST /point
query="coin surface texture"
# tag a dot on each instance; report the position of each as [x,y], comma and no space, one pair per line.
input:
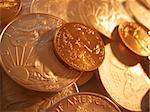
[64,9]
[8,10]
[140,13]
[125,84]
[79,46]
[84,102]
[27,55]
[135,38]
[19,99]
[103,15]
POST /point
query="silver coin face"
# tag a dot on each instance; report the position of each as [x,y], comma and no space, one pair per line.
[64,9]
[103,15]
[27,54]
[84,102]
[125,84]
[138,10]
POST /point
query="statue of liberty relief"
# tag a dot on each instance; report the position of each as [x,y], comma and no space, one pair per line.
[134,83]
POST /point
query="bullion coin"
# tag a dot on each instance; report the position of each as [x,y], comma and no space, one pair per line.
[79,46]
[85,102]
[26,53]
[125,84]
[9,9]
[135,38]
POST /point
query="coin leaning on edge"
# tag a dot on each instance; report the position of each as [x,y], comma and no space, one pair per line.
[79,46]
[84,102]
[135,38]
[26,53]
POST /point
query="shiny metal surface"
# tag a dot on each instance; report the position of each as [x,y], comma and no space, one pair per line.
[125,84]
[85,102]
[135,38]
[103,15]
[27,54]
[140,13]
[79,46]
[9,9]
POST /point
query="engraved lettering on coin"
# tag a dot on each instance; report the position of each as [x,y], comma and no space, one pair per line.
[79,46]
[28,59]
[84,102]
[135,38]
[17,98]
[125,84]
[103,15]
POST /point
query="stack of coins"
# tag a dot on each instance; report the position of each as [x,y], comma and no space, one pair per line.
[74,56]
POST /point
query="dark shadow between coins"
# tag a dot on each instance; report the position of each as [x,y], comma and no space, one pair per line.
[145,104]
[49,59]
[121,52]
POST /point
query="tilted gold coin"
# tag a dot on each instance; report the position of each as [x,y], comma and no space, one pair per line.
[79,46]
[125,84]
[139,12]
[103,15]
[135,38]
[8,10]
[26,53]
[85,102]
[16,98]
[64,9]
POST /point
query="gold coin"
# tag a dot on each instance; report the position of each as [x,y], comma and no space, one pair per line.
[135,38]
[17,98]
[85,77]
[79,46]
[103,15]
[64,9]
[9,10]
[27,54]
[125,84]
[139,12]
[85,102]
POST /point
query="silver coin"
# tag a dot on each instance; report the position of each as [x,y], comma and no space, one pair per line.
[103,15]
[30,60]
[140,13]
[125,84]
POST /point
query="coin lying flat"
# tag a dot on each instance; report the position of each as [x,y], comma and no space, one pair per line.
[84,102]
[135,38]
[27,55]
[137,11]
[103,15]
[9,9]
[64,9]
[125,84]
[18,99]
[25,7]
[79,46]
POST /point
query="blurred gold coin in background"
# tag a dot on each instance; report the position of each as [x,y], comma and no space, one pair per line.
[9,9]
